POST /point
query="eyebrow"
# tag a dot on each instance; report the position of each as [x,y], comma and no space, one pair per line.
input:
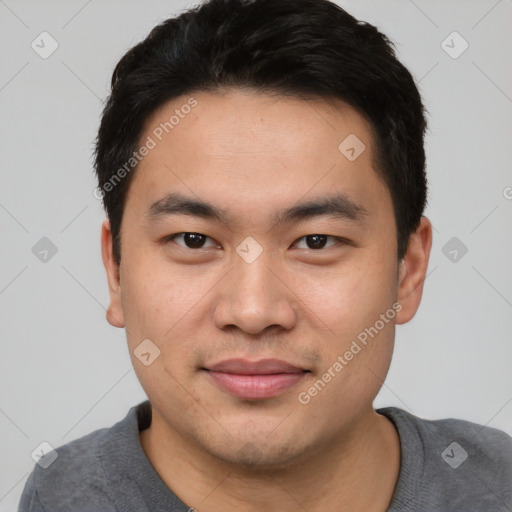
[337,206]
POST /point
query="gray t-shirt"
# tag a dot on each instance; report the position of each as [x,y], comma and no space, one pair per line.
[447,466]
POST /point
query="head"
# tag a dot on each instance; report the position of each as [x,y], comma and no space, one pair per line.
[263,172]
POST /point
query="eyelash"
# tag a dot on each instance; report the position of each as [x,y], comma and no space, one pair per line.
[170,238]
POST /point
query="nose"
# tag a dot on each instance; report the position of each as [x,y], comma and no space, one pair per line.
[254,296]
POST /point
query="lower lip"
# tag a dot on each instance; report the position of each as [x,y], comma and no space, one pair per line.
[255,387]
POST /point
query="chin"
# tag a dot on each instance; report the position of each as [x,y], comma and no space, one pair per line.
[255,452]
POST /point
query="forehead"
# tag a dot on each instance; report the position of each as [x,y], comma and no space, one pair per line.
[239,119]
[251,151]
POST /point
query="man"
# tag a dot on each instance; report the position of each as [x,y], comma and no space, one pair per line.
[263,172]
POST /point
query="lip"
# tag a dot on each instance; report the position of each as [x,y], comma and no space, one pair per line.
[255,380]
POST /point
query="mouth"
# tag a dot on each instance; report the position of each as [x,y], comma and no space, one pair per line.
[255,380]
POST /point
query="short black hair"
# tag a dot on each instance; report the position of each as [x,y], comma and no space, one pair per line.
[308,49]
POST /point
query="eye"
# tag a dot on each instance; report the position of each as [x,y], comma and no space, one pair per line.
[316,242]
[191,240]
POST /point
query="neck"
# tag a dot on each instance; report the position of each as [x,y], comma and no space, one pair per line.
[358,472]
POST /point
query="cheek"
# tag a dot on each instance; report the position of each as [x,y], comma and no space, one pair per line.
[357,353]
[354,296]
[156,303]
[165,303]
[152,298]
[357,305]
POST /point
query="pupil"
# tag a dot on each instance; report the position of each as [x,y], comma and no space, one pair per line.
[194,240]
[317,240]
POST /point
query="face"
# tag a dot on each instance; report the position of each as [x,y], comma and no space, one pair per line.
[271,306]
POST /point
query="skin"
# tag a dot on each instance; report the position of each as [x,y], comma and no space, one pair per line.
[253,154]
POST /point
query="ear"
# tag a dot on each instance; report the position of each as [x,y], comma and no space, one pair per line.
[413,270]
[115,315]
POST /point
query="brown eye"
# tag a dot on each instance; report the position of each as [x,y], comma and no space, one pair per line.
[191,240]
[316,242]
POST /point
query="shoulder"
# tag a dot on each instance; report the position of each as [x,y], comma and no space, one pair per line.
[488,447]
[454,463]
[74,475]
[480,439]
[71,475]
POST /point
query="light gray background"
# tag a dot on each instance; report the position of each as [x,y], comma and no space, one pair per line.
[65,372]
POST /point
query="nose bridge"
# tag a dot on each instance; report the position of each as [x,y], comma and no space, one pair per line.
[254,285]
[256,277]
[253,297]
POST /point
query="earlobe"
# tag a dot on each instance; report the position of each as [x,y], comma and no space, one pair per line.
[115,314]
[413,270]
